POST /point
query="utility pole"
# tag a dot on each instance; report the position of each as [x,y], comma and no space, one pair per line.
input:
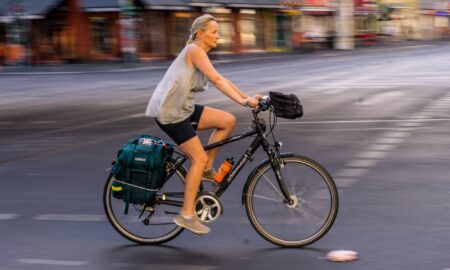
[127,31]
[344,23]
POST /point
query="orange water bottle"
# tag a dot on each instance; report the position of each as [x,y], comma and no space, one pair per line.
[224,169]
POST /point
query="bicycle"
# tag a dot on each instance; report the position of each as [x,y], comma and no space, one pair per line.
[286,211]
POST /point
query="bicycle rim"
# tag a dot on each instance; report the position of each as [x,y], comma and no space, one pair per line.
[315,203]
[160,228]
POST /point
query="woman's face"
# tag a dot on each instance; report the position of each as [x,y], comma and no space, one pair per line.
[210,35]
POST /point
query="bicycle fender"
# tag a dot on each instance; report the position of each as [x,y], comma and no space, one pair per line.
[255,170]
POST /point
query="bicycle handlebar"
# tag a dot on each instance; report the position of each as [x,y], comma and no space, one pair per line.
[263,105]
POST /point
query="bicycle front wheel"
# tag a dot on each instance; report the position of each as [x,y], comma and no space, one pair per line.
[157,229]
[311,215]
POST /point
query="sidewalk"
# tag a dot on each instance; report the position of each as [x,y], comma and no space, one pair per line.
[108,67]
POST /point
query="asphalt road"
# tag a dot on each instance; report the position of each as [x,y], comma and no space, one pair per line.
[378,119]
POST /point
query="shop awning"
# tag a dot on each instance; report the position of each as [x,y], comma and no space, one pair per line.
[26,9]
[100,5]
[317,10]
[166,4]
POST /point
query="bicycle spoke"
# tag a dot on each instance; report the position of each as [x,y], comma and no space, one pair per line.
[204,214]
[267,198]
[273,186]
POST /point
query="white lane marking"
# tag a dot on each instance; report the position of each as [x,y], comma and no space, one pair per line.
[411,124]
[345,182]
[402,48]
[352,172]
[381,147]
[404,129]
[418,117]
[137,115]
[164,266]
[42,122]
[52,262]
[84,72]
[70,217]
[432,109]
[367,163]
[396,134]
[439,105]
[378,98]
[372,155]
[402,122]
[8,216]
[389,140]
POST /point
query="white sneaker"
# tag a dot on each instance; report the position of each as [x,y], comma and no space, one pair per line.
[192,224]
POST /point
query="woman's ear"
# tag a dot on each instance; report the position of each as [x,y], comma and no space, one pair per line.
[199,34]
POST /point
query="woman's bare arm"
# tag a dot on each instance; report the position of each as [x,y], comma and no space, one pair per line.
[200,60]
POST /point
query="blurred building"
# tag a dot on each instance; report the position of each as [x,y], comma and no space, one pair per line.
[78,30]
[40,31]
[434,19]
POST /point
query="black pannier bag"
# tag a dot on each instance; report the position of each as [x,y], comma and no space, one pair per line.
[286,106]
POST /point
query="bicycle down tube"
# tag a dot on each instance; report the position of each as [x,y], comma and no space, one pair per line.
[259,140]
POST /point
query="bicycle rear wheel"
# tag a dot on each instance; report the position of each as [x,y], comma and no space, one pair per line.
[133,225]
[315,202]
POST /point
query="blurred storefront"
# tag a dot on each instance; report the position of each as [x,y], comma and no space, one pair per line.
[399,19]
[101,30]
[366,22]
[162,27]
[244,26]
[434,19]
[37,31]
[45,31]
[314,27]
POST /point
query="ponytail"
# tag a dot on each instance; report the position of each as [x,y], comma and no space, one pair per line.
[199,24]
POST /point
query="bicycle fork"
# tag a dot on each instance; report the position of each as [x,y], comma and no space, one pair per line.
[277,164]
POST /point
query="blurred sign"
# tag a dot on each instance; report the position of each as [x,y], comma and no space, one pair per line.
[442,13]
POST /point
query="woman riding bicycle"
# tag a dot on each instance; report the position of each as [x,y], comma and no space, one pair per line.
[173,106]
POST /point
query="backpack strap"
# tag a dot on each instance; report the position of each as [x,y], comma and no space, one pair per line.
[128,176]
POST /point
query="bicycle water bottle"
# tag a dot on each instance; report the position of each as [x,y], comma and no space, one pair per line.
[224,170]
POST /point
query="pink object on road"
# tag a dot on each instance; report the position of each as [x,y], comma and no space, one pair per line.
[342,255]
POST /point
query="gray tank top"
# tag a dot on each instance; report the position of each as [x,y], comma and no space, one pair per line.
[173,99]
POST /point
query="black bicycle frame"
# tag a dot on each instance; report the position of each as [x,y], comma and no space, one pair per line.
[260,140]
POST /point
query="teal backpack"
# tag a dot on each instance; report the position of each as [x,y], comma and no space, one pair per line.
[139,170]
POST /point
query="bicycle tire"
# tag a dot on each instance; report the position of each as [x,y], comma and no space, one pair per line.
[120,225]
[256,214]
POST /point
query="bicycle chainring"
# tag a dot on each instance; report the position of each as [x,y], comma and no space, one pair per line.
[208,207]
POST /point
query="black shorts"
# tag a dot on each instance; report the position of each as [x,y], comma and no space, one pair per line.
[185,130]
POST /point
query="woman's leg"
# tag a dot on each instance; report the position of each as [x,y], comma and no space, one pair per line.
[223,123]
[193,149]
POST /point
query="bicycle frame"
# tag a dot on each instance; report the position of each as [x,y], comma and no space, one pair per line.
[259,128]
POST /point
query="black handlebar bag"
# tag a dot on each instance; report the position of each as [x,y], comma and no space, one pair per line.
[286,106]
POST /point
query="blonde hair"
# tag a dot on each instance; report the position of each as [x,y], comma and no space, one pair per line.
[199,24]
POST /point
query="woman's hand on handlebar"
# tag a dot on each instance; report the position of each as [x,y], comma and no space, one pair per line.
[253,102]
